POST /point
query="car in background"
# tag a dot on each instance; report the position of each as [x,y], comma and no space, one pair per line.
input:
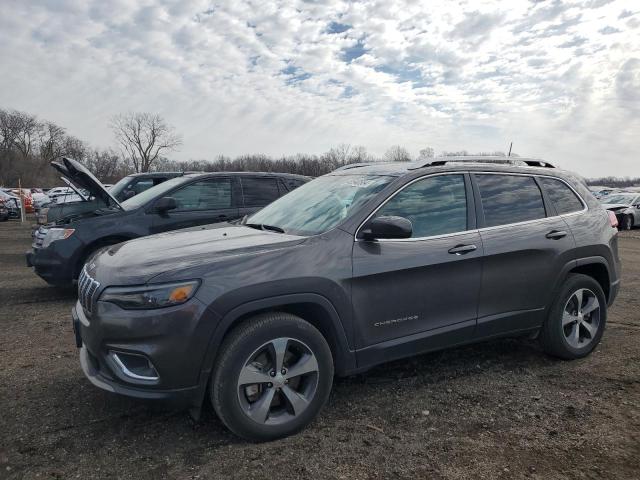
[4,212]
[60,249]
[11,202]
[40,199]
[26,198]
[625,206]
[600,191]
[82,201]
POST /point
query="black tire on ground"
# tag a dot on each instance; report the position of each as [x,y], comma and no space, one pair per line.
[627,222]
[552,335]
[236,350]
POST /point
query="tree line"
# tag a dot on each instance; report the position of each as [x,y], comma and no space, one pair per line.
[144,142]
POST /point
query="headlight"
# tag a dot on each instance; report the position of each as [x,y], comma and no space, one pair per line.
[54,234]
[150,296]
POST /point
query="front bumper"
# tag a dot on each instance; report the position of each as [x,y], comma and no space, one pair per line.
[55,264]
[173,340]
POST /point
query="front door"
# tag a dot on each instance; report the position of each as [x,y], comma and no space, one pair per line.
[408,294]
[199,203]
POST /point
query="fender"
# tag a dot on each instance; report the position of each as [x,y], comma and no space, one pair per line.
[345,358]
[580,262]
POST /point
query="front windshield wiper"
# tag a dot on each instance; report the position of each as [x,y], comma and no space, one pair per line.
[262,226]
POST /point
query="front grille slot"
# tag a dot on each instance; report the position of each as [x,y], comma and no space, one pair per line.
[87,290]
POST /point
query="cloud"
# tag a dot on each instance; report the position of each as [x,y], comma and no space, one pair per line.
[289,76]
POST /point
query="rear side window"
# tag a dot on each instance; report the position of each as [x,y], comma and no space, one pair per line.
[204,195]
[435,205]
[259,192]
[563,198]
[509,199]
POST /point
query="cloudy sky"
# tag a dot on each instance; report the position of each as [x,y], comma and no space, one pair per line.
[559,78]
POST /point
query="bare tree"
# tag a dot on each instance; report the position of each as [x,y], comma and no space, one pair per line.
[427,152]
[144,137]
[397,153]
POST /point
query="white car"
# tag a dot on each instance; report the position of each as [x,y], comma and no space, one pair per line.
[626,207]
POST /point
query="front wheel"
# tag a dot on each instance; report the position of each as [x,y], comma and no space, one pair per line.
[627,222]
[576,319]
[272,377]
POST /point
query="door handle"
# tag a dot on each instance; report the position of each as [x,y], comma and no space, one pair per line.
[556,234]
[462,249]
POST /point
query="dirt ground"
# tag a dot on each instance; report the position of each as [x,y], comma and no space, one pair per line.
[495,410]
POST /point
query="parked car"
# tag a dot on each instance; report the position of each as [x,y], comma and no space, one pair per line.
[25,197]
[626,207]
[368,264]
[11,202]
[60,249]
[40,199]
[80,201]
[4,211]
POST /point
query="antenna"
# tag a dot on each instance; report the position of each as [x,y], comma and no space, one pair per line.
[510,145]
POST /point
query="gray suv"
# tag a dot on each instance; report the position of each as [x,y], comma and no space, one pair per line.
[365,265]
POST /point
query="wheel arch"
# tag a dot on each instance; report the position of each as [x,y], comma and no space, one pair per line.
[97,243]
[312,307]
[596,268]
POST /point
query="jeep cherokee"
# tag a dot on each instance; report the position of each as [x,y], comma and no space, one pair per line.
[364,265]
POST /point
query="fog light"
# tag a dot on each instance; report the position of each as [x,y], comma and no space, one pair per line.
[135,366]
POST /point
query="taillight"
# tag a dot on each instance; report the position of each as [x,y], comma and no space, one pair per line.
[613,220]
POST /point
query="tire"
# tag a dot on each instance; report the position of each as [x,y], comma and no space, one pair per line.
[237,404]
[627,222]
[558,336]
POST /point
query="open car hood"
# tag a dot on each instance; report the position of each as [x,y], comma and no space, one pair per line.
[83,178]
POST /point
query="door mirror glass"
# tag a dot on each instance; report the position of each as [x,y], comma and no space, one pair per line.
[387,228]
[165,204]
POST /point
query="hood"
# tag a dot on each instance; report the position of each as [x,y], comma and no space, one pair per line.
[138,261]
[83,178]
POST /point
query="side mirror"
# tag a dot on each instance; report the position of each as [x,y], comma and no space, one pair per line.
[386,228]
[165,204]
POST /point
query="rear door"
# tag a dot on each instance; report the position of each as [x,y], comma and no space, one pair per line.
[259,192]
[526,245]
[201,202]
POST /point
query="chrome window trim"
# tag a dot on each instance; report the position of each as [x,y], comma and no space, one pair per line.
[476,230]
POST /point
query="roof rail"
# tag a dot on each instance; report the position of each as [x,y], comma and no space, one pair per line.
[440,161]
[353,165]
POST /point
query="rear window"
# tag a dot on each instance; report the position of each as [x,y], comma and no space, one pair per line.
[563,198]
[259,192]
[509,199]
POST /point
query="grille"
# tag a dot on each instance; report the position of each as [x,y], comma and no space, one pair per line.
[38,238]
[87,290]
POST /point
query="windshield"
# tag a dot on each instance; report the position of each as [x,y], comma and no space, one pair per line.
[625,198]
[319,205]
[153,192]
[119,186]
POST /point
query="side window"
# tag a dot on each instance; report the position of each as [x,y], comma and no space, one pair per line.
[259,192]
[204,195]
[142,185]
[435,205]
[563,198]
[509,199]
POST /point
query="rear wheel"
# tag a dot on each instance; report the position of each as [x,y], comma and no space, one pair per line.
[576,320]
[272,377]
[627,222]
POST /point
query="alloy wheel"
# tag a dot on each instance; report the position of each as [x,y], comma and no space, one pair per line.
[278,381]
[581,318]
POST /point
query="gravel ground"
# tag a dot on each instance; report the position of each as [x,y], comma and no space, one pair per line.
[495,410]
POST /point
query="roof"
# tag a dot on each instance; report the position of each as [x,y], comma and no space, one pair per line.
[474,162]
[250,174]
